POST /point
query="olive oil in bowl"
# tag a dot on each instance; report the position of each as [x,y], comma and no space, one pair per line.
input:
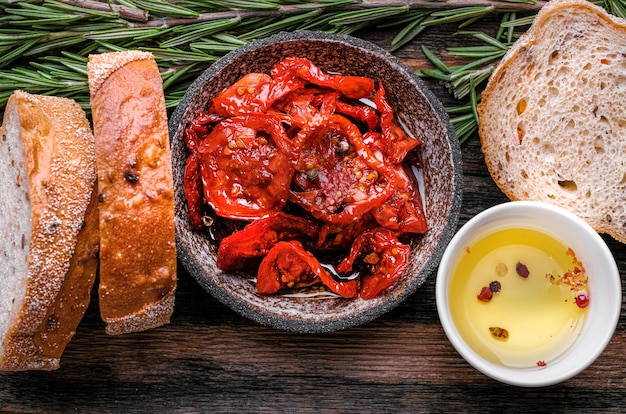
[518,297]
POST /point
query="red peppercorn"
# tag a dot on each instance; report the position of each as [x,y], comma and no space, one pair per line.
[522,270]
[485,294]
[582,299]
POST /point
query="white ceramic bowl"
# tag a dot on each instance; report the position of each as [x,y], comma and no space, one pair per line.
[604,286]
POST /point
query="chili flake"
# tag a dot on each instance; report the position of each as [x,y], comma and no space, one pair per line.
[541,363]
[575,278]
[485,294]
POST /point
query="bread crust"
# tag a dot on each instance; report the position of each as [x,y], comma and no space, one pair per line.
[62,257]
[137,236]
[552,115]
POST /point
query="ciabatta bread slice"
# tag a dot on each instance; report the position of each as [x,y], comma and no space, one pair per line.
[48,226]
[553,115]
[137,240]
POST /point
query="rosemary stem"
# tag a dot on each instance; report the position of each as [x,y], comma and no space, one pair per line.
[287,10]
[128,13]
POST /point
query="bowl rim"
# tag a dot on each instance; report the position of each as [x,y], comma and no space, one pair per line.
[328,325]
[563,369]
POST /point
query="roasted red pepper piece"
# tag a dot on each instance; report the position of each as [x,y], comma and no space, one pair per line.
[244,249]
[395,142]
[289,265]
[384,257]
[247,165]
[354,87]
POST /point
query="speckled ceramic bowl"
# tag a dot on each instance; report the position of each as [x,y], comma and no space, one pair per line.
[417,108]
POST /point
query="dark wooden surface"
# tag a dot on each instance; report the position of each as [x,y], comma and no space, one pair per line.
[210,359]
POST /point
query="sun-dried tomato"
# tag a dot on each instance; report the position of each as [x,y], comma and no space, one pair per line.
[303,141]
[403,211]
[345,186]
[383,259]
[289,265]
[244,249]
[354,87]
[249,94]
[395,144]
[246,164]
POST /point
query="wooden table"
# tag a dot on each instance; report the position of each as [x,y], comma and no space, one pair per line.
[210,359]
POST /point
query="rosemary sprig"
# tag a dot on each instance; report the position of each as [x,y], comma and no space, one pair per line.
[188,35]
[185,37]
[464,82]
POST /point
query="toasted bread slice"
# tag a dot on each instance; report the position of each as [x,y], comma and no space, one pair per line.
[49,228]
[553,118]
[137,240]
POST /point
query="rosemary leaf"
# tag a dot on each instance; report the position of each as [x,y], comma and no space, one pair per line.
[487,39]
[325,4]
[178,56]
[460,109]
[473,97]
[438,63]
[134,33]
[211,47]
[410,32]
[352,28]
[56,5]
[229,38]
[405,19]
[16,37]
[456,15]
[200,30]
[522,21]
[434,73]
[360,16]
[278,25]
[616,7]
[61,43]
[243,4]
[9,57]
[21,78]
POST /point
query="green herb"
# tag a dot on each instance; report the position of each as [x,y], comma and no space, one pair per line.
[188,35]
[465,82]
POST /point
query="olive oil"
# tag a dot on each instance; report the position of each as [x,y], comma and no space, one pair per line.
[530,315]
